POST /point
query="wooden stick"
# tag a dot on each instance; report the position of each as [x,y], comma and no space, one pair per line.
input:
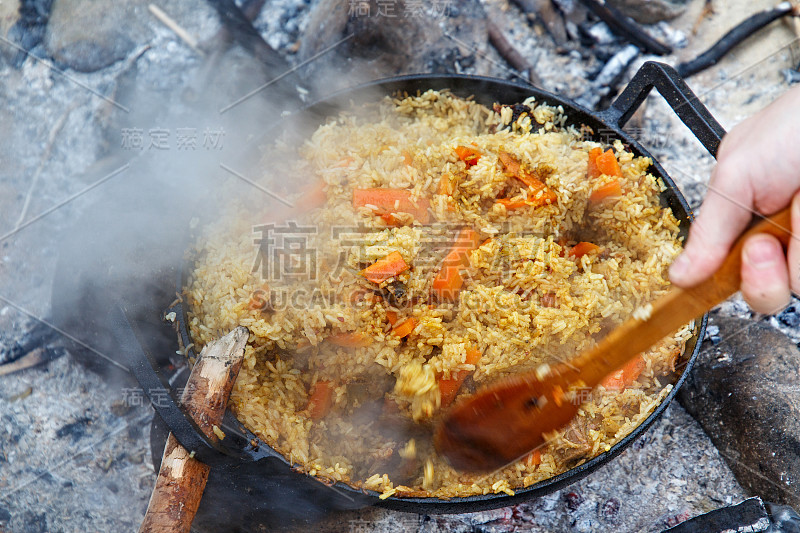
[626,27]
[511,54]
[170,23]
[547,14]
[734,37]
[182,478]
[707,11]
[45,157]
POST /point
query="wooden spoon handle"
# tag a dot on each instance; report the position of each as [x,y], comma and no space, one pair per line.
[506,420]
[182,478]
[676,308]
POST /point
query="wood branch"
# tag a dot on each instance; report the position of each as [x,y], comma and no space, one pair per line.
[242,31]
[176,28]
[546,13]
[35,357]
[734,37]
[626,27]
[251,10]
[45,157]
[707,11]
[182,479]
[511,54]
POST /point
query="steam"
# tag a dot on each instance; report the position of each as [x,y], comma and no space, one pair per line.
[181,160]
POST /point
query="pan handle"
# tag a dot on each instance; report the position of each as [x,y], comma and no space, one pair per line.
[677,94]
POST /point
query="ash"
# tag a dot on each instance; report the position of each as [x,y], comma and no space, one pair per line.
[74,448]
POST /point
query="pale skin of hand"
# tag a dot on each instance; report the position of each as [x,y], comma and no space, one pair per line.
[757,170]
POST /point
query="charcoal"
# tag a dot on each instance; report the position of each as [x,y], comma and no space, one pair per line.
[573,500]
[791,76]
[609,510]
[75,430]
[784,518]
[789,317]
[749,515]
[651,11]
[29,30]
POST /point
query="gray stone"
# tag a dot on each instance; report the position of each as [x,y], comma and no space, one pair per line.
[87,35]
[745,392]
[650,11]
[436,37]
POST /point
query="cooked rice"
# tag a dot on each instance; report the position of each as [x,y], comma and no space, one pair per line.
[524,303]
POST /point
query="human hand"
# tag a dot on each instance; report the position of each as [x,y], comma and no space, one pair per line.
[757,170]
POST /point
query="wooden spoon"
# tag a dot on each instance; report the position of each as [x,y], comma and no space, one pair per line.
[508,419]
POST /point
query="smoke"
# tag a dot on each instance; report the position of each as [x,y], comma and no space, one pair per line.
[186,145]
[187,142]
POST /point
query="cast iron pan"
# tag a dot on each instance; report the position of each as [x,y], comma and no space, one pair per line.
[243,453]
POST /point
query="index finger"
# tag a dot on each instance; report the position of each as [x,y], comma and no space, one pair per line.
[724,214]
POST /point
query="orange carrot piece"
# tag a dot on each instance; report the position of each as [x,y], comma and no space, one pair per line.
[468,239]
[592,171]
[449,281]
[534,458]
[383,201]
[540,192]
[609,189]
[621,379]
[392,317]
[390,220]
[583,248]
[473,356]
[448,388]
[633,370]
[445,185]
[313,196]
[352,339]
[320,400]
[470,156]
[511,203]
[259,299]
[607,164]
[407,159]
[447,284]
[405,328]
[510,163]
[383,269]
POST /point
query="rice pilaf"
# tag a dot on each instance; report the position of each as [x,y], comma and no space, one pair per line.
[452,244]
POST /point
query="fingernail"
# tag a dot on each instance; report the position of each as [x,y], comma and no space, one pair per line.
[761,253]
[680,267]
